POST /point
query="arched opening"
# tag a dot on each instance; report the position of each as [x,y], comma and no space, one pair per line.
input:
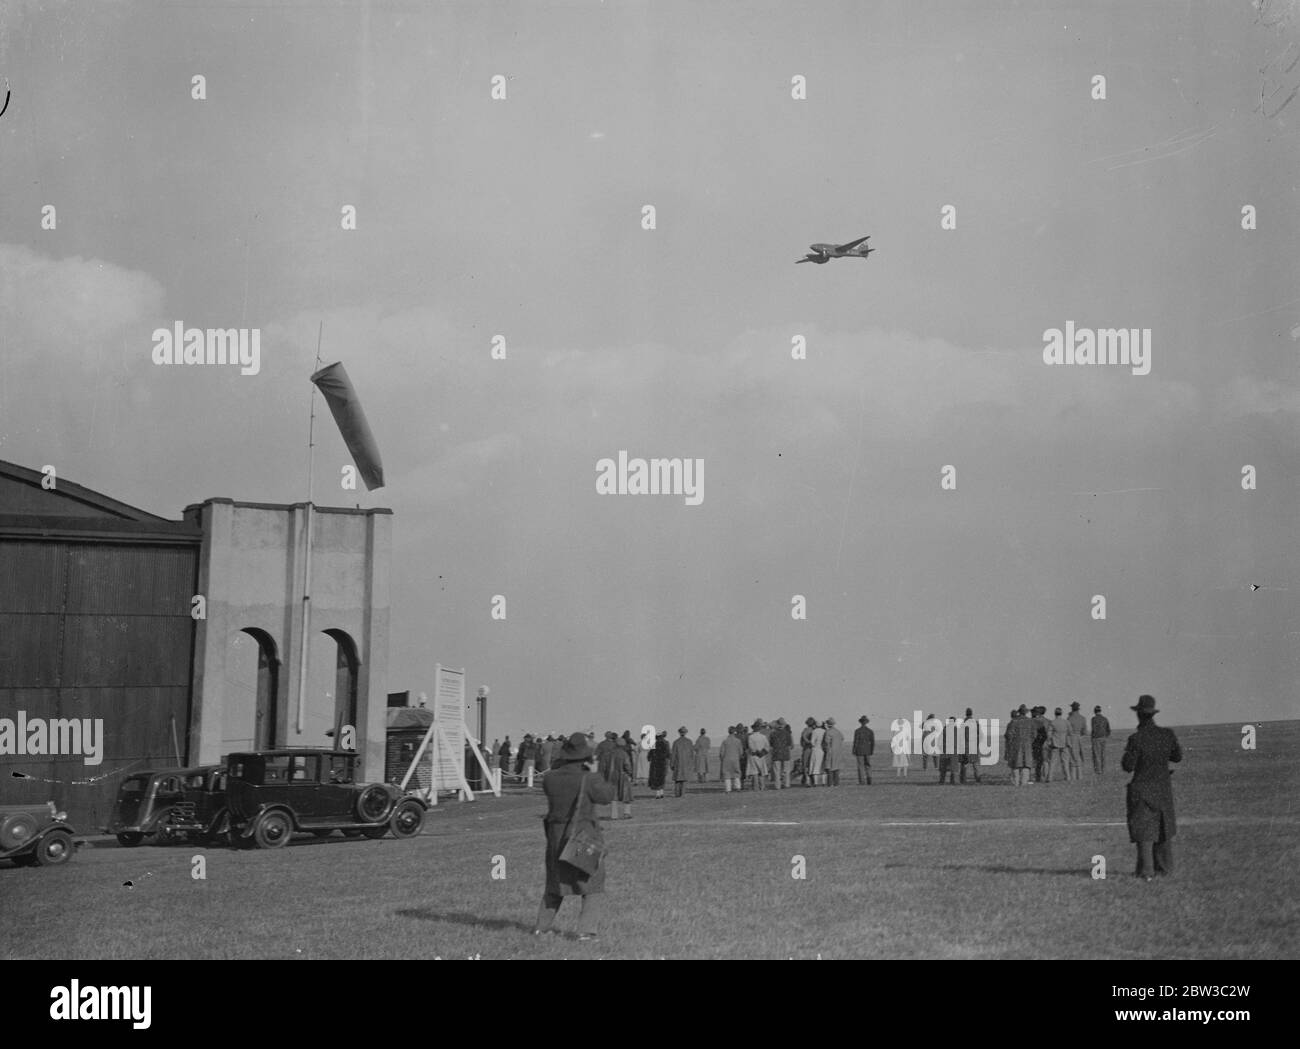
[347,673]
[251,707]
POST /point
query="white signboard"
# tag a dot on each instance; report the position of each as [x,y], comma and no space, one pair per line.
[449,716]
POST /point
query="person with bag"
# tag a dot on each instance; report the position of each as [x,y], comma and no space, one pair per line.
[575,847]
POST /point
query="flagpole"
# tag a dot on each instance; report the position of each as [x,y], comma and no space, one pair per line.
[306,581]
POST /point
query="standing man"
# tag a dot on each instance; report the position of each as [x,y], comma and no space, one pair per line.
[925,757]
[947,753]
[1020,746]
[969,734]
[1078,733]
[758,750]
[1151,823]
[864,745]
[1058,745]
[806,749]
[729,760]
[660,756]
[742,734]
[683,759]
[833,744]
[703,746]
[1100,733]
[782,741]
[1042,734]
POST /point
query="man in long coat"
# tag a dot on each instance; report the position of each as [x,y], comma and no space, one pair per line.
[1058,746]
[683,760]
[703,747]
[660,757]
[782,740]
[1042,732]
[729,759]
[864,745]
[1151,823]
[571,795]
[1020,746]
[806,749]
[833,745]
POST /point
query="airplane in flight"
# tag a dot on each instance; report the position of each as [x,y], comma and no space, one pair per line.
[823,253]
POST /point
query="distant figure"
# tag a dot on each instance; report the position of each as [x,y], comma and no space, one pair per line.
[806,749]
[902,762]
[571,794]
[729,759]
[703,747]
[930,719]
[758,751]
[833,745]
[682,759]
[817,741]
[660,757]
[1020,748]
[948,753]
[864,745]
[504,755]
[742,734]
[494,755]
[1042,734]
[782,740]
[634,752]
[1100,733]
[1078,733]
[1151,823]
[546,750]
[969,733]
[1058,746]
[619,775]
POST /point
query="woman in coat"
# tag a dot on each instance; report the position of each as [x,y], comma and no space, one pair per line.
[572,792]
[660,756]
[815,739]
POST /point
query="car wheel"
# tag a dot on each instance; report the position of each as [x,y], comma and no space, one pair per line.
[16,829]
[130,839]
[54,848]
[373,803]
[408,819]
[273,829]
[375,832]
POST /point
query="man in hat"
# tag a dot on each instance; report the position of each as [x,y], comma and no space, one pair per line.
[948,752]
[729,760]
[660,757]
[1078,733]
[572,795]
[1151,822]
[1100,733]
[925,755]
[782,741]
[833,744]
[758,751]
[806,749]
[1042,733]
[1020,746]
[703,748]
[683,760]
[864,745]
[968,729]
[1058,745]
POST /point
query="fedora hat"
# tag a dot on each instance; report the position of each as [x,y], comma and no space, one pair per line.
[1074,705]
[1146,705]
[1023,710]
[1096,710]
[576,748]
[863,720]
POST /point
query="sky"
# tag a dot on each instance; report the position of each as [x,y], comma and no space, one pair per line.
[522,217]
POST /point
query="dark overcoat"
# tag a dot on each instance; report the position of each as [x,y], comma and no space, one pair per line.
[1020,743]
[659,758]
[683,759]
[1150,794]
[561,786]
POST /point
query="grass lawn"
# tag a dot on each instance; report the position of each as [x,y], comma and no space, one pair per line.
[901,869]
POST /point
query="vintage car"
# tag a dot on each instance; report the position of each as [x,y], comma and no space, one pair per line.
[273,793]
[170,804]
[34,836]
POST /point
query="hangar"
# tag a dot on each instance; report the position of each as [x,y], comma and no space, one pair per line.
[98,620]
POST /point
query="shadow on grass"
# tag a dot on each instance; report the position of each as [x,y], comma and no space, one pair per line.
[464,918]
[989,868]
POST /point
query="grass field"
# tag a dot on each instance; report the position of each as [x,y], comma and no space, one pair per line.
[901,869]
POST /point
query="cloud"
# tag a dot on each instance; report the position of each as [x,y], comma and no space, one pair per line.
[1246,395]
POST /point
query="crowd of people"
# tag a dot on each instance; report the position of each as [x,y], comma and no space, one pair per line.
[1036,747]
[766,755]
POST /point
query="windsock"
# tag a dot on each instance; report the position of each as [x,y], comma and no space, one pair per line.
[345,406]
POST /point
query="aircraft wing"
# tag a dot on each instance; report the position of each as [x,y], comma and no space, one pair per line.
[854,243]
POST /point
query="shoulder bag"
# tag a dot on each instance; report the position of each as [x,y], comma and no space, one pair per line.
[583,850]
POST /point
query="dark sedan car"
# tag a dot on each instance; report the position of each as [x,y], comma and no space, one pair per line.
[169,804]
[273,793]
[32,835]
